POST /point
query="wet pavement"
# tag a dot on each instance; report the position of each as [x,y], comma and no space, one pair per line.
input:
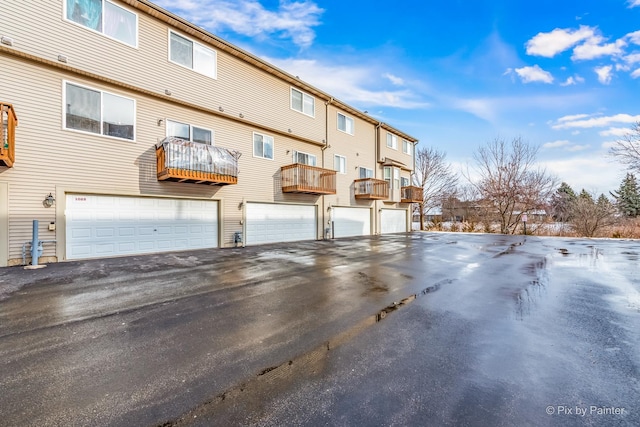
[417,329]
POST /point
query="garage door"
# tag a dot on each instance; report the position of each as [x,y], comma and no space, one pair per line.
[351,222]
[272,222]
[105,226]
[393,221]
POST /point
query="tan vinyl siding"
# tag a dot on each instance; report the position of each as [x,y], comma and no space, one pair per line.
[240,88]
[4,222]
[359,152]
[51,159]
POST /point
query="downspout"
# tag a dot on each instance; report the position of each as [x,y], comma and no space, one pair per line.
[325,222]
[376,215]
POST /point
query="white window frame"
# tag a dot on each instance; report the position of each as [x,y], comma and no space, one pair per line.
[264,136]
[392,141]
[135,45]
[340,163]
[304,94]
[388,178]
[396,178]
[102,92]
[309,156]
[404,180]
[406,147]
[166,127]
[213,74]
[366,171]
[347,120]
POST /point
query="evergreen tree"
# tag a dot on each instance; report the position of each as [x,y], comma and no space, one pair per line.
[604,204]
[561,202]
[628,197]
[585,196]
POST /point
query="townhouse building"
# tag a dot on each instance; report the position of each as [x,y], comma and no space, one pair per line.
[128,130]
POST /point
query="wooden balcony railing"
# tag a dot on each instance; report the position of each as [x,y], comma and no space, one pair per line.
[299,178]
[185,161]
[8,124]
[411,194]
[371,189]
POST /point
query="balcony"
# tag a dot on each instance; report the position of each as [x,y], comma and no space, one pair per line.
[193,162]
[8,124]
[371,189]
[411,195]
[299,178]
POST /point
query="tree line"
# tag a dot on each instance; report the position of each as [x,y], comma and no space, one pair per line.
[504,186]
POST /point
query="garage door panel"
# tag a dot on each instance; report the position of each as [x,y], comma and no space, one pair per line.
[99,226]
[269,223]
[351,221]
[393,221]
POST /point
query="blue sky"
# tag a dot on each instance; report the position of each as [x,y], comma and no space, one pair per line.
[561,74]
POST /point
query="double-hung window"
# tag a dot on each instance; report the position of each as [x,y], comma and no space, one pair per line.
[387,174]
[95,111]
[304,158]
[345,124]
[392,176]
[192,55]
[262,146]
[189,133]
[340,164]
[104,17]
[406,147]
[366,173]
[404,182]
[392,141]
[303,103]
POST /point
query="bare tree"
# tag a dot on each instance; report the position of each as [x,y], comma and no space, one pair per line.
[509,181]
[627,149]
[434,175]
[589,216]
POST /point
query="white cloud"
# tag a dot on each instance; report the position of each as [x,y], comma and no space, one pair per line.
[573,80]
[593,48]
[555,144]
[593,173]
[575,148]
[397,81]
[534,74]
[604,74]
[575,132]
[557,41]
[609,144]
[354,85]
[292,19]
[633,37]
[632,59]
[634,3]
[573,117]
[582,121]
[615,132]
[636,73]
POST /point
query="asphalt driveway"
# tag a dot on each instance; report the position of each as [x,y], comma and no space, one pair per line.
[274,334]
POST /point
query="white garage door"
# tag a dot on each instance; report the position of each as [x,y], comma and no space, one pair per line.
[351,222]
[393,221]
[104,226]
[272,222]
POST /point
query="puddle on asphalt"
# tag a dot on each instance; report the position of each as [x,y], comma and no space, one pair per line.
[527,298]
[631,256]
[372,284]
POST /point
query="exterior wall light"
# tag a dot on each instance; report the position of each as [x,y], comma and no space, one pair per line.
[48,201]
